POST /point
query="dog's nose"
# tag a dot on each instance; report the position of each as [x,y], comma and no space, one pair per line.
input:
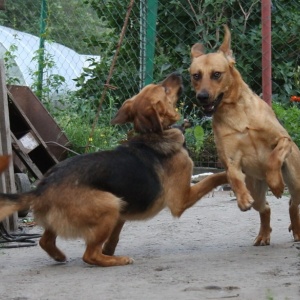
[203,97]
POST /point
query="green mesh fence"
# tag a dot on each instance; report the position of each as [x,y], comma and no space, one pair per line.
[68,58]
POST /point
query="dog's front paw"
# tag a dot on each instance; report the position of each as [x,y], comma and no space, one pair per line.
[276,183]
[245,202]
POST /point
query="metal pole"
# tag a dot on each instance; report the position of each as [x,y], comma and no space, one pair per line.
[43,25]
[142,43]
[266,51]
[150,39]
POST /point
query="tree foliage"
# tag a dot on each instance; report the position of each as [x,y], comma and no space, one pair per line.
[181,23]
[95,26]
[69,23]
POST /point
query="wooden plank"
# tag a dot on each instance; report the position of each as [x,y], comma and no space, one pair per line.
[26,160]
[48,154]
[7,184]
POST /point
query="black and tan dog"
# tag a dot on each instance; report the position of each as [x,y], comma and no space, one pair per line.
[91,196]
[256,151]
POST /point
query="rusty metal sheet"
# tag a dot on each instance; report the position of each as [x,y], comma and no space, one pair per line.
[40,118]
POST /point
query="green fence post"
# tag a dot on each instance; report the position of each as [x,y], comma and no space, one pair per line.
[143,30]
[150,39]
[43,23]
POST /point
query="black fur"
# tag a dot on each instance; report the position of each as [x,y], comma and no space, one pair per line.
[105,171]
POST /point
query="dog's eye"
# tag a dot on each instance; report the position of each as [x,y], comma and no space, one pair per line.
[196,76]
[216,75]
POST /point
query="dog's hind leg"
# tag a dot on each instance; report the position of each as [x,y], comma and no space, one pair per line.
[291,176]
[258,189]
[292,180]
[48,243]
[112,242]
[295,218]
[273,173]
[93,254]
[98,235]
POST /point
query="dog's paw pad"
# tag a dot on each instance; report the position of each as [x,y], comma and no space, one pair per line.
[245,205]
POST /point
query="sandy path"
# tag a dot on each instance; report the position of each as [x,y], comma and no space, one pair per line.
[206,254]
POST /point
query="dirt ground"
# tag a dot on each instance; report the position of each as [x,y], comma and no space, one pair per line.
[206,254]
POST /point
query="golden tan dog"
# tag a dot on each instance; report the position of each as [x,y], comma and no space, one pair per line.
[256,151]
[91,196]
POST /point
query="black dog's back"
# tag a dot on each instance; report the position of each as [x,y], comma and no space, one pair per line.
[128,172]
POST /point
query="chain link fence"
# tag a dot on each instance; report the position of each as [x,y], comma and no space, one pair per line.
[72,47]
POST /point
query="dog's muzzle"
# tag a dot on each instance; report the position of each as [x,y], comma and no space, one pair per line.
[208,107]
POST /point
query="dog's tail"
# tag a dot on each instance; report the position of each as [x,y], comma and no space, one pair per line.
[4,161]
[10,203]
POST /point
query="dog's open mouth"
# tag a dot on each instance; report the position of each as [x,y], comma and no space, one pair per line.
[210,108]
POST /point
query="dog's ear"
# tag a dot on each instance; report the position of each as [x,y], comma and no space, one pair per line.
[197,50]
[124,114]
[226,46]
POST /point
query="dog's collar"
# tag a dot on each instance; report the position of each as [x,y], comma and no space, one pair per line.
[210,109]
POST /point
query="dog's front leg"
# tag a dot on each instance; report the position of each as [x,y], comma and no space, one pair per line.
[197,191]
[273,173]
[236,179]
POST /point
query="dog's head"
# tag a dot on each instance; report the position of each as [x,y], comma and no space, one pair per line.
[211,74]
[153,108]
[4,162]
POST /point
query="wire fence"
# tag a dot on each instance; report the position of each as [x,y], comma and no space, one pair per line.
[57,47]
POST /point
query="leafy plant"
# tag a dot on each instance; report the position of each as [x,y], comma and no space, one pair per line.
[289,116]
[199,137]
[51,82]
[201,21]
[78,131]
[10,63]
[69,31]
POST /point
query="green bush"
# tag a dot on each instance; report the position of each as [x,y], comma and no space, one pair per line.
[289,117]
[198,21]
[76,116]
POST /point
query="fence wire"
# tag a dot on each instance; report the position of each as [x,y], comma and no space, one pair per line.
[81,38]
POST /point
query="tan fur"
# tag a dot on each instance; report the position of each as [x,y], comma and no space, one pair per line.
[70,209]
[4,162]
[254,148]
[153,109]
[178,194]
[7,208]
